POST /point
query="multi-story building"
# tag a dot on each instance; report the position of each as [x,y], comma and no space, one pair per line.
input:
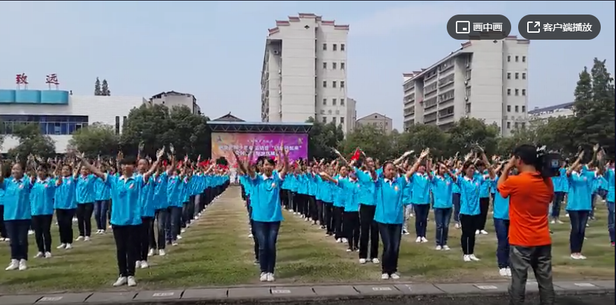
[59,113]
[304,71]
[379,121]
[484,79]
[173,98]
[540,115]
[351,114]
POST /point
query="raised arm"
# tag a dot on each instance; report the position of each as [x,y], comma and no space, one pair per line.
[159,155]
[424,153]
[83,162]
[403,157]
[285,161]
[575,164]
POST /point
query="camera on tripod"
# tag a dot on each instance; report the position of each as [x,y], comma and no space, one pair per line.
[550,162]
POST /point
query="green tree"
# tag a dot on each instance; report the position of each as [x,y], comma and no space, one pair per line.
[105,88]
[97,87]
[373,141]
[322,138]
[96,139]
[468,131]
[31,141]
[556,134]
[191,135]
[419,137]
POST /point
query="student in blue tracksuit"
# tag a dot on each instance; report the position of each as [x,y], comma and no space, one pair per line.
[148,210]
[65,205]
[327,192]
[561,187]
[84,194]
[157,235]
[441,186]
[266,209]
[501,228]
[484,195]
[610,198]
[41,202]
[248,189]
[455,196]
[17,214]
[126,213]
[340,197]
[368,228]
[102,202]
[579,203]
[420,197]
[3,235]
[347,187]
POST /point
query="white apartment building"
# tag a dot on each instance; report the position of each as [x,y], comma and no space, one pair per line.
[173,98]
[379,121]
[484,79]
[540,115]
[304,72]
[351,114]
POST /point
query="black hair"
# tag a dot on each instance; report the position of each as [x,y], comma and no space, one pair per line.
[270,161]
[529,155]
[43,167]
[128,161]
[466,165]
[479,163]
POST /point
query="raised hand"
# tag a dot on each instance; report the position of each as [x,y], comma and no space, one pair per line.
[171,148]
[596,147]
[424,153]
[120,155]
[141,146]
[160,153]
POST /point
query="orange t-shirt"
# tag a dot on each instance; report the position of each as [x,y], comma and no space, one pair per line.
[529,200]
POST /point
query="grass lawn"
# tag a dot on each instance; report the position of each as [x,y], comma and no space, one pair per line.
[217,251]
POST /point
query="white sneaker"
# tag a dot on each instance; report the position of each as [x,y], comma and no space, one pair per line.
[175,243]
[39,255]
[439,248]
[14,265]
[263,277]
[79,238]
[418,240]
[1,238]
[483,232]
[183,231]
[196,217]
[87,238]
[344,240]
[575,256]
[151,252]
[161,252]
[474,258]
[508,272]
[375,260]
[291,211]
[502,272]
[7,240]
[580,256]
[477,232]
[339,240]
[130,281]
[144,265]
[553,221]
[362,260]
[394,276]
[270,277]
[567,215]
[120,281]
[348,250]
[179,237]
[446,248]
[22,265]
[68,246]
[457,225]
[424,240]
[466,258]
[30,232]
[405,232]
[384,276]
[47,254]
[138,264]
[559,222]
[61,246]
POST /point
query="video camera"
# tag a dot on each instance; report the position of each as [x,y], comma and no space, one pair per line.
[550,162]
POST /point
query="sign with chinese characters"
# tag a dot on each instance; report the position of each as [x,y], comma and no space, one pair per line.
[559,27]
[474,27]
[21,79]
[223,145]
[52,79]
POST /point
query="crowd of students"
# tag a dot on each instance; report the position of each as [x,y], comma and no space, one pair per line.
[360,202]
[133,194]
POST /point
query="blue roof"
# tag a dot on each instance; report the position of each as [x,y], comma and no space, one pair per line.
[552,108]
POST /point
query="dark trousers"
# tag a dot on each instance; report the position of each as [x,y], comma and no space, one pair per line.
[456,206]
[338,233]
[65,225]
[320,215]
[312,207]
[254,234]
[126,239]
[442,218]
[41,224]
[143,243]
[184,216]
[390,235]
[540,260]
[501,226]
[191,208]
[351,228]
[421,218]
[559,197]
[328,214]
[368,232]
[17,231]
[267,235]
[2,227]
[578,220]
[610,221]
[484,206]
[174,223]
[158,242]
[470,224]
[84,218]
[100,213]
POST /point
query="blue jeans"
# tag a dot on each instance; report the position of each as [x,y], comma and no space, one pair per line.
[501,226]
[100,213]
[442,218]
[17,231]
[578,219]
[456,206]
[390,235]
[267,235]
[559,197]
[421,218]
[173,223]
[610,220]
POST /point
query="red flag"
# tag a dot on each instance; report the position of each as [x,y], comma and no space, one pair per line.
[356,155]
[165,163]
[180,163]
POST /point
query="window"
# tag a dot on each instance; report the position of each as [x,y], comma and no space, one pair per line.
[322,111]
[334,65]
[523,125]
[334,84]
[524,92]
[508,108]
[523,58]
[117,125]
[342,47]
[523,75]
[334,120]
[517,92]
[341,66]
[515,125]
[517,109]
[324,120]
[508,91]
[508,125]
[523,108]
[517,75]
[324,65]
[335,47]
[333,102]
[342,84]
[324,47]
[124,121]
[341,120]
[324,84]
[508,75]
[341,102]
[517,58]
[325,102]
[509,58]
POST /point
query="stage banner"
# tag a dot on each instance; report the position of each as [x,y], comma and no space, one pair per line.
[265,144]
